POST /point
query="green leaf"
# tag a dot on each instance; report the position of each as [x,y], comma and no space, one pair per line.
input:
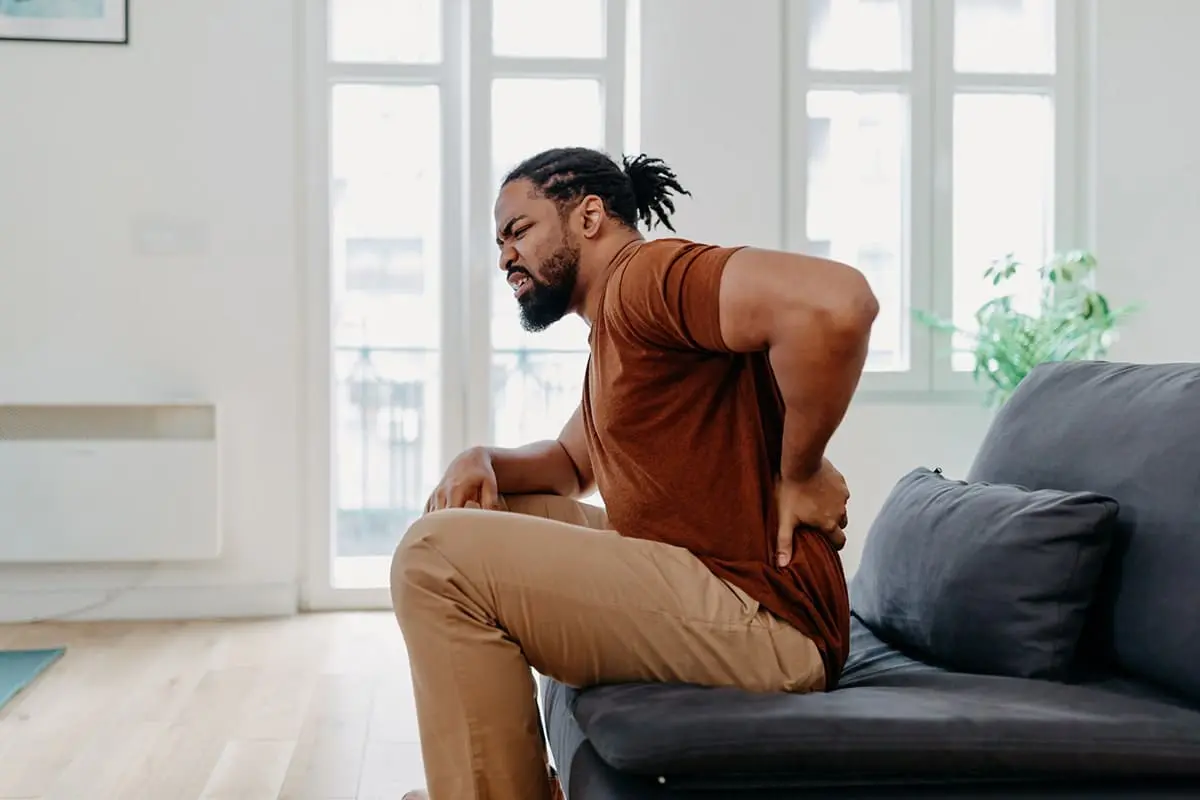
[933,321]
[1073,321]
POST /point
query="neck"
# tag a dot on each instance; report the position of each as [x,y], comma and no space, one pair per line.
[594,269]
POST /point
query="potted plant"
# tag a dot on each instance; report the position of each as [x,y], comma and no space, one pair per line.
[1072,321]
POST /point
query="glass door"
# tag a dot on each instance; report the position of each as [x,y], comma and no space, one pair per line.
[420,107]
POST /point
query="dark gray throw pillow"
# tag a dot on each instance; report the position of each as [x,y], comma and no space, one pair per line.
[983,578]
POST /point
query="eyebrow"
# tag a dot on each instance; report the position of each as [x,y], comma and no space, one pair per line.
[507,230]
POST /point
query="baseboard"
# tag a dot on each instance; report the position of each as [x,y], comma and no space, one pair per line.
[148,603]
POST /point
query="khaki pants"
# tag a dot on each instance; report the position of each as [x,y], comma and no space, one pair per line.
[481,596]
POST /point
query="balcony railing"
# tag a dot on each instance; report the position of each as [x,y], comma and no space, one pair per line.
[388,410]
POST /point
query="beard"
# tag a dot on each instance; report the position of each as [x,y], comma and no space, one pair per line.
[547,301]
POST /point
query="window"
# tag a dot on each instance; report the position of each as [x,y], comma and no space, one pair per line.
[383,265]
[928,138]
[424,105]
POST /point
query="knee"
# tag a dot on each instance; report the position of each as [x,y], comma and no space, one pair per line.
[419,566]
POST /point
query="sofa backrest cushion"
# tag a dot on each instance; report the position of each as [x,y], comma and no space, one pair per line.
[983,578]
[1131,432]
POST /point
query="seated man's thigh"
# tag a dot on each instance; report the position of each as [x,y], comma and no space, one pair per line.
[557,507]
[592,607]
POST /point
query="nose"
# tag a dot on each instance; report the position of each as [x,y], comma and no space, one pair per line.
[508,255]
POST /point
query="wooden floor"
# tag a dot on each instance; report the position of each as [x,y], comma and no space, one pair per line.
[317,707]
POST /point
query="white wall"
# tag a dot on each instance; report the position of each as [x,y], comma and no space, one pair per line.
[189,133]
[712,107]
[102,145]
[1148,172]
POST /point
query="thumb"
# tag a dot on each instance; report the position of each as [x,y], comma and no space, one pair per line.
[783,555]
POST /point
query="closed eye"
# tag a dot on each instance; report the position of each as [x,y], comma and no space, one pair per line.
[511,234]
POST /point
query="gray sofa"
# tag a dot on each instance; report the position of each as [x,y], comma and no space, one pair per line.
[1032,630]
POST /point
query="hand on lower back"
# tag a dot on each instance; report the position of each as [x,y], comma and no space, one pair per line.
[816,502]
[469,482]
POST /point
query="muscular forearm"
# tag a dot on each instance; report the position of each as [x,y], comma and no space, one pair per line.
[818,370]
[541,467]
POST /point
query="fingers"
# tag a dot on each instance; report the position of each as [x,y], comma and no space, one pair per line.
[489,496]
[837,538]
[835,535]
[461,496]
[441,499]
[783,549]
[460,493]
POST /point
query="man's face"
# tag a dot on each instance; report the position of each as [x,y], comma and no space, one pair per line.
[537,253]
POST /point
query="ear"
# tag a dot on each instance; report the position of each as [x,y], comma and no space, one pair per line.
[591,216]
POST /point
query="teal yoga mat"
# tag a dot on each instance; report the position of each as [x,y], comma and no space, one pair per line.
[18,668]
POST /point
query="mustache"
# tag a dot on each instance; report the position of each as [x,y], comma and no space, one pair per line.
[515,270]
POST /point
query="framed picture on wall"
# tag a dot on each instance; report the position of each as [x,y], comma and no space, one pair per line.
[84,21]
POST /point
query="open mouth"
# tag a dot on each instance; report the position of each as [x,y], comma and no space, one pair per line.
[520,282]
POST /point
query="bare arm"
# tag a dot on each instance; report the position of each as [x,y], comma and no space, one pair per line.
[555,466]
[814,318]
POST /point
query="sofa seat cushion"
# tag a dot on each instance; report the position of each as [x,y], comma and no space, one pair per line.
[869,658]
[893,717]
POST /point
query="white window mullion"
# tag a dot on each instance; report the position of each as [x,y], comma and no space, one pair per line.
[857,81]
[455,246]
[943,85]
[513,67]
[421,74]
[1071,148]
[477,266]
[795,140]
[614,77]
[1001,82]
[1082,68]
[317,397]
[920,219]
[632,135]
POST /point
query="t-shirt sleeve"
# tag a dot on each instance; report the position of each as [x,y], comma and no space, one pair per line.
[668,295]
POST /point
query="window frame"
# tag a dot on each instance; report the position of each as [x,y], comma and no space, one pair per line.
[479,249]
[930,83]
[464,79]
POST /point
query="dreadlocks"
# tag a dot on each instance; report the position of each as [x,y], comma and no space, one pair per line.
[639,190]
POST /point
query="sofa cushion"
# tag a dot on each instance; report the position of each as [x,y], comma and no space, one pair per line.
[669,738]
[1131,432]
[983,578]
[901,723]
[870,658]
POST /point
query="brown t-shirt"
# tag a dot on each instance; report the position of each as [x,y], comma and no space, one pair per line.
[685,438]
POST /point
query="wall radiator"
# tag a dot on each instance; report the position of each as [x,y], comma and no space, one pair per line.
[108,483]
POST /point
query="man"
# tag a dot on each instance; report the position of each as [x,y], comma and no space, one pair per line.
[717,377]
